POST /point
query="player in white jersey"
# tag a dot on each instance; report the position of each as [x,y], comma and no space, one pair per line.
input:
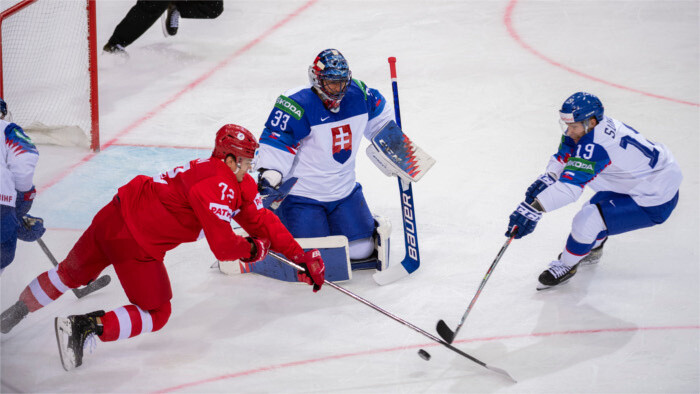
[636,181]
[17,162]
[313,134]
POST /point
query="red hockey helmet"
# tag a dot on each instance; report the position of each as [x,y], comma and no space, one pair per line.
[234,140]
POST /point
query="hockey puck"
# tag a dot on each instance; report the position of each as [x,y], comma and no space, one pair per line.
[424,355]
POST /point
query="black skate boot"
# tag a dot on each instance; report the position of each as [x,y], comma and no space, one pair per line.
[71,334]
[12,316]
[171,21]
[114,48]
[556,274]
[118,50]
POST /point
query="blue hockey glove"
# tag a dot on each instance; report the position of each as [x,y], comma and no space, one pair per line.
[271,191]
[24,202]
[526,218]
[30,228]
[543,181]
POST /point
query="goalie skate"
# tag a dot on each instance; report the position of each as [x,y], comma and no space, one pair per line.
[556,274]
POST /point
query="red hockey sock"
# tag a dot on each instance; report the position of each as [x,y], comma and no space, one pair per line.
[43,290]
[130,320]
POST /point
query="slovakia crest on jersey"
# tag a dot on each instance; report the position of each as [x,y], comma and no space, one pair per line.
[342,143]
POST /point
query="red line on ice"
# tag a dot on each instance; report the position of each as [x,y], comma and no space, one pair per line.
[430,344]
[508,21]
[150,114]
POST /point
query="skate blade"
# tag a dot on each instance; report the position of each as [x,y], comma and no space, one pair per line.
[590,262]
[63,332]
[163,21]
[541,286]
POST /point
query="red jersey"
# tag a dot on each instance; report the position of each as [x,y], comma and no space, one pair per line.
[164,211]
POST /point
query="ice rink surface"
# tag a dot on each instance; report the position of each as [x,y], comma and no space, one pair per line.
[480,85]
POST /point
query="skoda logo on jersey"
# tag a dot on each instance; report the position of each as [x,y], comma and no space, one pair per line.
[342,143]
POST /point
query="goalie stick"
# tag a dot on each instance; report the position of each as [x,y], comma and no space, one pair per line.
[81,292]
[411,261]
[398,319]
[442,328]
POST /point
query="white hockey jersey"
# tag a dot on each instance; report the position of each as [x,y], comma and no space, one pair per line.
[303,139]
[19,158]
[612,157]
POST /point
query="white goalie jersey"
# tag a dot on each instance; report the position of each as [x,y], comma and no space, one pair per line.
[303,139]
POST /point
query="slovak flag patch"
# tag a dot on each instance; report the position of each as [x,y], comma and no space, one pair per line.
[342,143]
[222,211]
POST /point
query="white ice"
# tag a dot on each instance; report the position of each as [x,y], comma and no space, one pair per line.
[480,85]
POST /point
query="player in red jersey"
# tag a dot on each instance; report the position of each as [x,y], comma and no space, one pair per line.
[151,215]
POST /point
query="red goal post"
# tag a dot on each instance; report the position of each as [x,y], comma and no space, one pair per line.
[48,70]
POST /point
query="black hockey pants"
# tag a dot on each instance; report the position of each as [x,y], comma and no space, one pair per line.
[142,16]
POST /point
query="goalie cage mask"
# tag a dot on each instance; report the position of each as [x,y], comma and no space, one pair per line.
[330,66]
[234,140]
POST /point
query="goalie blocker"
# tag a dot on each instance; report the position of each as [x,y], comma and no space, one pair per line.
[334,250]
[395,154]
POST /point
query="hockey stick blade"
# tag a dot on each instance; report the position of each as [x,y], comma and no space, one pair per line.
[93,286]
[390,274]
[445,332]
[442,327]
[399,320]
[81,292]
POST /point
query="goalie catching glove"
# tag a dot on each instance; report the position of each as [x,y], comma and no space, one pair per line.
[314,270]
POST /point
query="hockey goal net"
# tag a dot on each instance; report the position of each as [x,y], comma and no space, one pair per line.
[48,70]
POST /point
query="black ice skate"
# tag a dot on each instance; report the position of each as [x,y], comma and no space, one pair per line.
[71,334]
[12,316]
[115,49]
[556,274]
[171,21]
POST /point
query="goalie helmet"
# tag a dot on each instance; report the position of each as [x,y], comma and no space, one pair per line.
[581,106]
[330,66]
[234,140]
[3,108]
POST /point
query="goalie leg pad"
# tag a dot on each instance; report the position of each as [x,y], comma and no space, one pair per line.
[334,252]
[382,234]
[379,259]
